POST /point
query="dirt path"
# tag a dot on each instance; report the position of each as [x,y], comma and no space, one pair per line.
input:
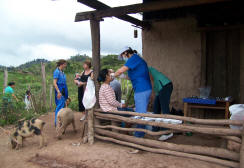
[62,154]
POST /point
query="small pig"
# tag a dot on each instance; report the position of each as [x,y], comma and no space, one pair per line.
[25,129]
[65,118]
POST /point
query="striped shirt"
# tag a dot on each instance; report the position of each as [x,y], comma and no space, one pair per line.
[107,98]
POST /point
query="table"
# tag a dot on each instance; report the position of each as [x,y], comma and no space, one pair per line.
[220,105]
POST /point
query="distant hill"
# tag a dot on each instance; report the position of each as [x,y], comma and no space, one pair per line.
[24,67]
[74,64]
[31,63]
[80,58]
[2,67]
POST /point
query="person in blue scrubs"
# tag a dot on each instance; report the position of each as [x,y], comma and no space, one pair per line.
[61,89]
[140,79]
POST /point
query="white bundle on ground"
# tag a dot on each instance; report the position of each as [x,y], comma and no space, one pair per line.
[237,113]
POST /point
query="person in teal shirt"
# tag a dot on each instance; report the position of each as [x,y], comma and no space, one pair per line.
[163,87]
[9,92]
[7,100]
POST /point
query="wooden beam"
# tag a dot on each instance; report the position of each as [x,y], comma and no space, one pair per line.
[137,129]
[5,78]
[90,126]
[95,36]
[232,138]
[220,28]
[188,119]
[51,97]
[143,7]
[101,6]
[242,149]
[44,85]
[193,149]
[174,153]
[184,128]
[203,59]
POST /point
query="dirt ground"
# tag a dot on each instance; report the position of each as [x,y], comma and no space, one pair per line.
[62,154]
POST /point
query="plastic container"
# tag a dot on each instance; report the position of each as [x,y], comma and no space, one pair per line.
[205,92]
[237,113]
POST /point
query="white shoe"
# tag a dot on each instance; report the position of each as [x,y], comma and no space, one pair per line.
[134,151]
[165,137]
[83,118]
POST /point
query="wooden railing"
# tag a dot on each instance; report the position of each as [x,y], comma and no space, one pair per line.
[211,127]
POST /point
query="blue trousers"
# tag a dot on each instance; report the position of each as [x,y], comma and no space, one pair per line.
[141,103]
[60,103]
[124,115]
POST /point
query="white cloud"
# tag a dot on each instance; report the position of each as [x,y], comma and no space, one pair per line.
[46,28]
[47,51]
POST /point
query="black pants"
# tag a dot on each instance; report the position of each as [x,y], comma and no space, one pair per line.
[162,101]
[80,98]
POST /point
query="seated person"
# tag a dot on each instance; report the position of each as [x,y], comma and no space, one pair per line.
[116,87]
[107,98]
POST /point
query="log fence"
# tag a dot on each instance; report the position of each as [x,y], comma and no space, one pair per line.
[208,127]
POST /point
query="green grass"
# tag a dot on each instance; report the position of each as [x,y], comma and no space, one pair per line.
[34,80]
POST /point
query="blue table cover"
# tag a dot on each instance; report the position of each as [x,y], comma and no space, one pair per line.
[199,101]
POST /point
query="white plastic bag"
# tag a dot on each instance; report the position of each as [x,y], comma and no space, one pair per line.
[237,113]
[89,98]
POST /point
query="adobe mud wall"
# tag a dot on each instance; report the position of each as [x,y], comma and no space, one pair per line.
[174,48]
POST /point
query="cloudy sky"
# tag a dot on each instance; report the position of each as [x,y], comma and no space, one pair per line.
[31,29]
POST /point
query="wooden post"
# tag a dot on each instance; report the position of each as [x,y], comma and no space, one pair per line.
[95,36]
[90,126]
[5,78]
[227,105]
[185,109]
[83,129]
[33,101]
[203,59]
[127,87]
[44,87]
[51,97]
[242,149]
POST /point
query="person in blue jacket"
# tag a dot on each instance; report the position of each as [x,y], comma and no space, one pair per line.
[140,79]
[61,89]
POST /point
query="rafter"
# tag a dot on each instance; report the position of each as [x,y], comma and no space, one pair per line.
[101,6]
[143,7]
